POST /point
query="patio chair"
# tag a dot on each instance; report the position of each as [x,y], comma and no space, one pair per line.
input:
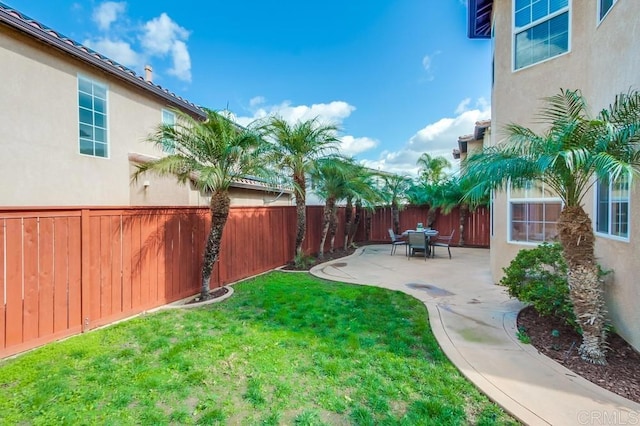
[396,241]
[442,241]
[418,242]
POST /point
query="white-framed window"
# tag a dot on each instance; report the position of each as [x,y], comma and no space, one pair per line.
[168,119]
[533,214]
[540,30]
[603,8]
[92,117]
[612,206]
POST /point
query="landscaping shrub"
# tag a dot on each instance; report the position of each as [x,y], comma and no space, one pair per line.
[539,276]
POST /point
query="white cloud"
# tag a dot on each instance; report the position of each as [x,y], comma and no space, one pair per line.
[427,63]
[351,146]
[107,13]
[181,61]
[437,138]
[161,33]
[256,100]
[134,46]
[334,112]
[164,37]
[462,106]
[118,50]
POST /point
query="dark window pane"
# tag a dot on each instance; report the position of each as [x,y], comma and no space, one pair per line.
[555,5]
[85,116]
[539,9]
[100,91]
[99,105]
[85,100]
[84,85]
[536,212]
[100,135]
[100,120]
[86,147]
[518,211]
[523,17]
[101,149]
[86,131]
[605,5]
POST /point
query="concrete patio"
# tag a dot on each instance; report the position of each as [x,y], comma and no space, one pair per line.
[474,321]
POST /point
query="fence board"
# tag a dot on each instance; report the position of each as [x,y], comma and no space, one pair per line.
[115,226]
[14,284]
[74,276]
[46,271]
[3,313]
[30,279]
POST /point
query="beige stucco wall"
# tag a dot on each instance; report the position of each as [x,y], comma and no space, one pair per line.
[602,61]
[41,164]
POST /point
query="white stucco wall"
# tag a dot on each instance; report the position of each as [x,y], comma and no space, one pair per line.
[602,62]
[41,163]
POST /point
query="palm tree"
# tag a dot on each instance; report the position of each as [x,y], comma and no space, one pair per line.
[395,190]
[335,180]
[364,191]
[575,148]
[296,149]
[212,154]
[432,174]
[450,194]
[432,169]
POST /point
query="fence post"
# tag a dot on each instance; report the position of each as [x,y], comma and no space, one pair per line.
[85,255]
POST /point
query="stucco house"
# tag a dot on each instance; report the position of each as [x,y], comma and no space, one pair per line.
[74,123]
[539,47]
[472,143]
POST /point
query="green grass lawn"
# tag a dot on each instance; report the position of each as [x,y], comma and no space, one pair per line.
[285,349]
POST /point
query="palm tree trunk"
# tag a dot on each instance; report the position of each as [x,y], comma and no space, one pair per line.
[395,216]
[432,215]
[326,219]
[333,226]
[348,217]
[356,222]
[219,213]
[464,213]
[585,286]
[301,212]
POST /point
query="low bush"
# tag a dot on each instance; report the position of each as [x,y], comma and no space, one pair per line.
[539,276]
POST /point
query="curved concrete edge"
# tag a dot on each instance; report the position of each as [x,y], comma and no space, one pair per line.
[521,409]
[184,303]
[494,393]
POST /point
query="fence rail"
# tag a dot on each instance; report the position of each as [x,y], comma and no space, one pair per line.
[65,271]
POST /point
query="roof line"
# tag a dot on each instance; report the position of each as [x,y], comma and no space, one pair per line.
[17,20]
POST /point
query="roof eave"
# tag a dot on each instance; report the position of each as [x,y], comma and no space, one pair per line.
[479,12]
[123,73]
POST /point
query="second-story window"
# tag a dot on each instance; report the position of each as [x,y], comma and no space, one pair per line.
[92,113]
[540,30]
[168,119]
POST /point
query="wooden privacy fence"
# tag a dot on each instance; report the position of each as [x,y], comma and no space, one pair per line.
[65,271]
[476,225]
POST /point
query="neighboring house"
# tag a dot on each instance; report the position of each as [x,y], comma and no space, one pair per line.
[470,144]
[539,47]
[74,123]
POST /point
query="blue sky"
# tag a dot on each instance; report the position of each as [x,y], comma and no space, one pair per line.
[400,77]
